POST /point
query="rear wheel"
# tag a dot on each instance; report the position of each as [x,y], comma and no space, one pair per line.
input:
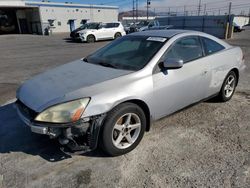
[117,35]
[228,87]
[90,38]
[123,129]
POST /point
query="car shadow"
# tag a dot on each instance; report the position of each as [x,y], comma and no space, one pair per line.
[212,100]
[70,40]
[17,137]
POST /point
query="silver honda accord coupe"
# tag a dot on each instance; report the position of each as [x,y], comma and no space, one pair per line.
[111,97]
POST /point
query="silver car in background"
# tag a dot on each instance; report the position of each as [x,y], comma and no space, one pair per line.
[111,97]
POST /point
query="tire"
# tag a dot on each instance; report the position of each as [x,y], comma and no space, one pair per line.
[90,38]
[117,35]
[114,141]
[224,95]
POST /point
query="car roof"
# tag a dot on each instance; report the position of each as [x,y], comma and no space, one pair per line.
[111,22]
[161,33]
[93,22]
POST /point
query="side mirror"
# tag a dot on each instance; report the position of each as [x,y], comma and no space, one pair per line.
[173,63]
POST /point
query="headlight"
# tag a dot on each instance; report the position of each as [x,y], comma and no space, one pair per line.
[64,113]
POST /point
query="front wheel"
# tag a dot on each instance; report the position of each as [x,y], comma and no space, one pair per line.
[123,129]
[228,87]
[90,38]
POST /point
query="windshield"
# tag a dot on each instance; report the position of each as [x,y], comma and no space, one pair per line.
[83,26]
[130,52]
[143,23]
[92,26]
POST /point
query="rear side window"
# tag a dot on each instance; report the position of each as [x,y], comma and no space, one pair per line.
[210,46]
[186,49]
[116,24]
[111,25]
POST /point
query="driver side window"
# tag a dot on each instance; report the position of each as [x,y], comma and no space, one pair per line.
[186,49]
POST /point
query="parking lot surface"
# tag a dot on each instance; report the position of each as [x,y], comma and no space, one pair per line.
[206,145]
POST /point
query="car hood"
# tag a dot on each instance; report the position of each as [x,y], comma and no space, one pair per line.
[52,87]
[143,28]
[77,30]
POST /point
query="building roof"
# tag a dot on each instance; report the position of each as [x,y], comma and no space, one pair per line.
[6,3]
[68,5]
[161,33]
[20,3]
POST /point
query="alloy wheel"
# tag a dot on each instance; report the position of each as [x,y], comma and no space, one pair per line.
[126,130]
[229,86]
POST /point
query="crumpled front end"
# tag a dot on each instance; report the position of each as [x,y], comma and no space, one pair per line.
[76,137]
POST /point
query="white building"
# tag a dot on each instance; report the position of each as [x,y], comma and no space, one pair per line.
[35,17]
[241,20]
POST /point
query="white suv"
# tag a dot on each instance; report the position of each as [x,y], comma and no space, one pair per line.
[101,31]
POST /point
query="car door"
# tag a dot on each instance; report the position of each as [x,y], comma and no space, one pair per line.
[102,32]
[216,58]
[111,29]
[176,88]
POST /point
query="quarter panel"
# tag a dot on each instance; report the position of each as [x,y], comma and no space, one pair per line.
[221,64]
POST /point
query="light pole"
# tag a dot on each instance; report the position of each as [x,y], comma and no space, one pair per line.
[148,3]
[136,1]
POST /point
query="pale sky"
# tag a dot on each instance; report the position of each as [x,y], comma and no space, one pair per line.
[209,5]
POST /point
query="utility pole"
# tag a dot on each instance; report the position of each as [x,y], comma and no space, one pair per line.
[205,7]
[230,9]
[133,10]
[199,8]
[185,12]
[229,29]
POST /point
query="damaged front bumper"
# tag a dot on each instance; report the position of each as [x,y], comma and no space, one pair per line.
[77,137]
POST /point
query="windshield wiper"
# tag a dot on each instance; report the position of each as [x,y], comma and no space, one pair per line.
[85,59]
[107,65]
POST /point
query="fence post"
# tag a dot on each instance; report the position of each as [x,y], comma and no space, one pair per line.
[203,22]
[226,32]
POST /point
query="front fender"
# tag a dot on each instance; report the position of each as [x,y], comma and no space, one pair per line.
[96,109]
[107,100]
